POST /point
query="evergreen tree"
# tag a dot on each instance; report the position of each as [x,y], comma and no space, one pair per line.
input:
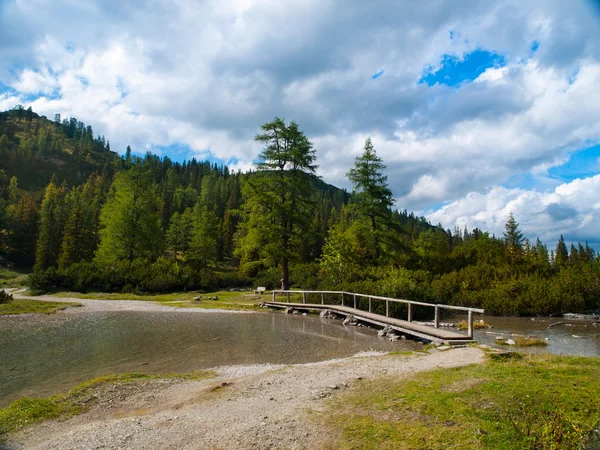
[561,256]
[203,245]
[513,240]
[279,198]
[374,198]
[73,249]
[179,234]
[130,221]
[52,222]
[23,230]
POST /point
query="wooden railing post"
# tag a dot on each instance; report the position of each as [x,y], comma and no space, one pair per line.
[355,302]
[370,301]
[288,296]
[470,329]
[322,298]
[273,295]
[387,308]
[410,312]
[304,297]
[342,299]
[437,317]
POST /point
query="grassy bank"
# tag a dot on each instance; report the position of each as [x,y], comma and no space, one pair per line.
[225,300]
[23,306]
[529,402]
[10,278]
[28,411]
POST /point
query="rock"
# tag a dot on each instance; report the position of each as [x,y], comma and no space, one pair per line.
[323,314]
[511,342]
[215,298]
[289,310]
[334,386]
[444,347]
[499,338]
[348,320]
[304,314]
[577,337]
[197,299]
[403,338]
[394,337]
[555,324]
[295,312]
[381,333]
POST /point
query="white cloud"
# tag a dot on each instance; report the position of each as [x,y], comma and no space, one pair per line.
[571,209]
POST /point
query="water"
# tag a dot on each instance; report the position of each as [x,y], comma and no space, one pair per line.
[560,338]
[42,355]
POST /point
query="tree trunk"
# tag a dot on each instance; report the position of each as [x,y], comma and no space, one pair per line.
[285,274]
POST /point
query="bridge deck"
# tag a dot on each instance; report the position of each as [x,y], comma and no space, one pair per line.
[403,326]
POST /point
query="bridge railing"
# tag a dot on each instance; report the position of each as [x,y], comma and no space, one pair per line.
[355,297]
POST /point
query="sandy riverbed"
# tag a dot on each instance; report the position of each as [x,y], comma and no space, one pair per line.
[258,407]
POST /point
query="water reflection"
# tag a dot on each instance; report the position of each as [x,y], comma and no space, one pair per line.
[42,355]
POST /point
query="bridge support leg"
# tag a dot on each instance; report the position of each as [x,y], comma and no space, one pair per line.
[370,306]
[355,302]
[322,299]
[437,317]
[387,308]
[410,312]
[470,329]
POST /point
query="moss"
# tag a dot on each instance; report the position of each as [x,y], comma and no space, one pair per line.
[532,402]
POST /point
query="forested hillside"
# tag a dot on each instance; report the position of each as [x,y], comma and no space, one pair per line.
[87,219]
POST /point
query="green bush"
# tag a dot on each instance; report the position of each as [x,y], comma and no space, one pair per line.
[5,297]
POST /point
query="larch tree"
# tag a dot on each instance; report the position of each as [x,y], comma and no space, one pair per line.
[279,198]
[130,221]
[561,256]
[53,215]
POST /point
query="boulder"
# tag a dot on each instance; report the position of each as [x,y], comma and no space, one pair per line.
[197,299]
[510,342]
[348,320]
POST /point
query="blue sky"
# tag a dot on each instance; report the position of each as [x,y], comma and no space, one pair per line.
[478,108]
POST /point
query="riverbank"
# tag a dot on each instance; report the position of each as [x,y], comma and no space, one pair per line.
[442,399]
[225,302]
[263,406]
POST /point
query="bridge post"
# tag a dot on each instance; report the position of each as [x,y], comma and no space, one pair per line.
[370,300]
[273,295]
[470,329]
[342,299]
[355,302]
[410,312]
[387,308]
[322,299]
[288,296]
[437,317]
[304,297]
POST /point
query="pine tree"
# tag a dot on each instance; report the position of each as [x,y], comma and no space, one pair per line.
[513,240]
[130,221]
[561,256]
[374,196]
[72,249]
[203,244]
[23,230]
[279,199]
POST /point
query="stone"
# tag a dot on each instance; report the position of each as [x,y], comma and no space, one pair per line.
[381,333]
[394,337]
[511,342]
[348,320]
[577,337]
[444,347]
[304,314]
[215,298]
[499,338]
[295,312]
[289,310]
[197,299]
[555,324]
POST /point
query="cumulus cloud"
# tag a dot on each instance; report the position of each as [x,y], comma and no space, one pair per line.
[572,209]
[205,75]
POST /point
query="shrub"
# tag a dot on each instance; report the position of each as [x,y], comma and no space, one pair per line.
[5,297]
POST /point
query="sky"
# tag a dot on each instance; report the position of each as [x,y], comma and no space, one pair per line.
[478,108]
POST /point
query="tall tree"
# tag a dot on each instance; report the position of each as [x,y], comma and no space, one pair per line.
[73,244]
[374,196]
[513,240]
[130,220]
[23,230]
[53,216]
[561,257]
[279,198]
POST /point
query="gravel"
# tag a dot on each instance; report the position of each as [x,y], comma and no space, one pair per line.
[261,406]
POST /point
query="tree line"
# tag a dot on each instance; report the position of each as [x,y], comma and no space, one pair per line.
[151,225]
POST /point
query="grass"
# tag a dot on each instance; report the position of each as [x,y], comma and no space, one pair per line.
[530,402]
[526,342]
[28,411]
[477,325]
[10,278]
[23,306]
[226,300]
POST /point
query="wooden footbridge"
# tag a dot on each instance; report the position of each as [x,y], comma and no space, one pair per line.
[351,304]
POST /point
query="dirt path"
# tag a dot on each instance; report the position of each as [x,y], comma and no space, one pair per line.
[122,305]
[245,407]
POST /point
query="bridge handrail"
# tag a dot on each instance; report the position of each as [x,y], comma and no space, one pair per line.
[376,297]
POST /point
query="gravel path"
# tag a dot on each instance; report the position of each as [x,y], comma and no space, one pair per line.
[245,407]
[123,305]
